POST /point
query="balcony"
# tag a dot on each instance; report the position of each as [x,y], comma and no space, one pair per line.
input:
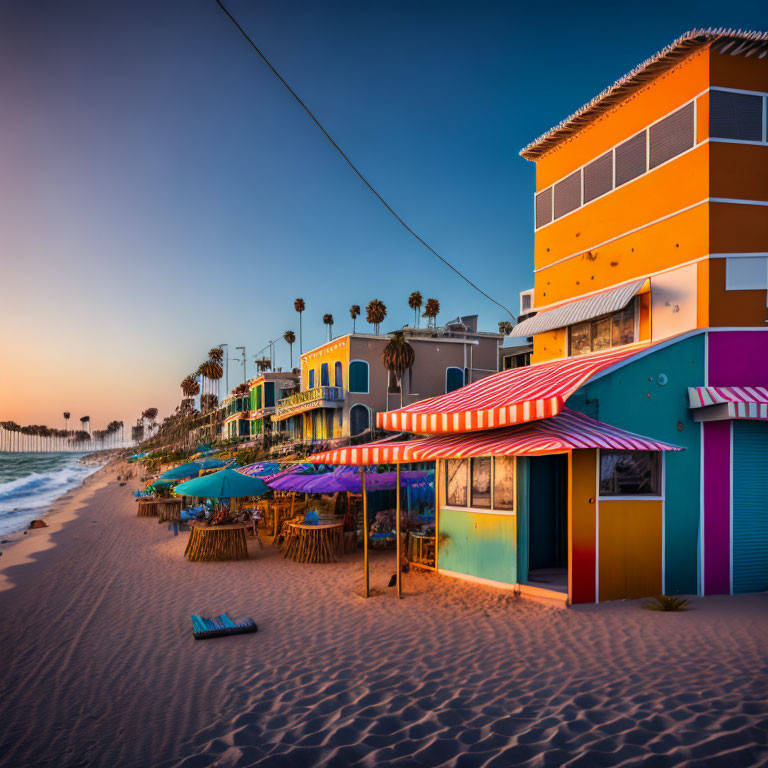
[309,399]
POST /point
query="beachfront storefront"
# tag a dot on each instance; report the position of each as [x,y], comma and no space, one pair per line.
[522,507]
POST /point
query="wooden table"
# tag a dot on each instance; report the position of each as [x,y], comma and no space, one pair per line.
[146,508]
[314,543]
[216,542]
[169,509]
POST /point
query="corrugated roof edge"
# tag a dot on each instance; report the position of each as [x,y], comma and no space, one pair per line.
[641,75]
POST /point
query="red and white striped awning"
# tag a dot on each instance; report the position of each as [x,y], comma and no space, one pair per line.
[567,431]
[742,402]
[510,397]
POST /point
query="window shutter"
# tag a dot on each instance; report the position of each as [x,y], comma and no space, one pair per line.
[568,194]
[630,159]
[735,116]
[544,207]
[671,136]
[598,177]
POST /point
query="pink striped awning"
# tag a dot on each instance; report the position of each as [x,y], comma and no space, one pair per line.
[742,402]
[567,431]
[510,397]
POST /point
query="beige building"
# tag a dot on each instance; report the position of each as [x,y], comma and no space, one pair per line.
[344,383]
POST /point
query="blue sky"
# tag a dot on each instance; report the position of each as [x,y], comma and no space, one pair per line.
[163,193]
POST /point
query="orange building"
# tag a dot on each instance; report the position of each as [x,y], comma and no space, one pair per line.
[651,204]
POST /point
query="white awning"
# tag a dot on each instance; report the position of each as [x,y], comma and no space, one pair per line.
[577,311]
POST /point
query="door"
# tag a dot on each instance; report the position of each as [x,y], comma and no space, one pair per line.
[750,506]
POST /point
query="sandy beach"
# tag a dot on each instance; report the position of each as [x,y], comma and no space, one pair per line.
[100,667]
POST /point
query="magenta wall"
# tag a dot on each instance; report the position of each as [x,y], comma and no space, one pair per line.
[738,358]
[716,450]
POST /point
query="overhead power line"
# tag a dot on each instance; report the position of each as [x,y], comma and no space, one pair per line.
[353,166]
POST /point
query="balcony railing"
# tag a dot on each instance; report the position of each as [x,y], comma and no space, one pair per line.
[301,400]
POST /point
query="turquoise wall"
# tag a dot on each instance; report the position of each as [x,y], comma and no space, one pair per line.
[478,544]
[632,398]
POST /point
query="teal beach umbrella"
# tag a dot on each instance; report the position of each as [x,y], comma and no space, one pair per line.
[192,469]
[224,484]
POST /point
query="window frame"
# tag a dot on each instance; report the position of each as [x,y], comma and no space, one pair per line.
[367,378]
[463,377]
[635,304]
[659,479]
[493,509]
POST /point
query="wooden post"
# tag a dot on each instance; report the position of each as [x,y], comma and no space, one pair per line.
[397,534]
[437,510]
[365,532]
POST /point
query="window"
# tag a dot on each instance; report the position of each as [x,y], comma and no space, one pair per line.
[481,483]
[338,380]
[630,159]
[630,473]
[359,419]
[602,333]
[454,378]
[311,382]
[736,116]
[325,380]
[358,376]
[504,483]
[544,207]
[671,136]
[598,177]
[456,482]
[269,394]
[568,194]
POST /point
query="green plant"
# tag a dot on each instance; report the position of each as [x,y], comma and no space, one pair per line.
[666,603]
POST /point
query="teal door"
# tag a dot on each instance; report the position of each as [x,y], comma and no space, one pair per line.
[750,506]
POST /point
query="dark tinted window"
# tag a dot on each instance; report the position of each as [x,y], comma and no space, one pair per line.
[544,207]
[630,159]
[735,116]
[630,473]
[671,136]
[568,194]
[358,376]
[598,177]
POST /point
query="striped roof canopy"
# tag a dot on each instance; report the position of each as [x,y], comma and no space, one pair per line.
[510,397]
[567,431]
[743,402]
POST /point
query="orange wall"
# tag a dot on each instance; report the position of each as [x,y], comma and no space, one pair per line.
[728,71]
[630,549]
[659,97]
[738,308]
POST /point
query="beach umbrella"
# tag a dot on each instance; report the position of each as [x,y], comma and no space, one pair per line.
[260,469]
[191,469]
[224,484]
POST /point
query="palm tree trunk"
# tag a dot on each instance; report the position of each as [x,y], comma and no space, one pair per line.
[301,336]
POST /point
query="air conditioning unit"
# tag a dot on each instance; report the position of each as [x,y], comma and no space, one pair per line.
[526,301]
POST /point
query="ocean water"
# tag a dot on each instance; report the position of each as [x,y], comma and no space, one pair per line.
[29,482]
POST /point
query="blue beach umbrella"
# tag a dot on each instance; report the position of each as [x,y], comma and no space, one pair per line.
[191,469]
[224,484]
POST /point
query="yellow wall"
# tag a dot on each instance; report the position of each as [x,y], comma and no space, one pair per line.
[582,497]
[630,549]
[331,353]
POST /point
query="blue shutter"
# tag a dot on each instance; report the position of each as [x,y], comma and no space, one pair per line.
[358,376]
[324,378]
[454,379]
[750,506]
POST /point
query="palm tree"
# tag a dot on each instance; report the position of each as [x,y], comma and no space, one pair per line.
[290,338]
[208,402]
[415,301]
[189,386]
[398,356]
[299,306]
[216,354]
[83,421]
[431,311]
[505,327]
[66,415]
[354,313]
[375,313]
[263,364]
[211,370]
[328,320]
[150,415]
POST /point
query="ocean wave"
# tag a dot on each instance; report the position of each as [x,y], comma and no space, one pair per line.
[22,499]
